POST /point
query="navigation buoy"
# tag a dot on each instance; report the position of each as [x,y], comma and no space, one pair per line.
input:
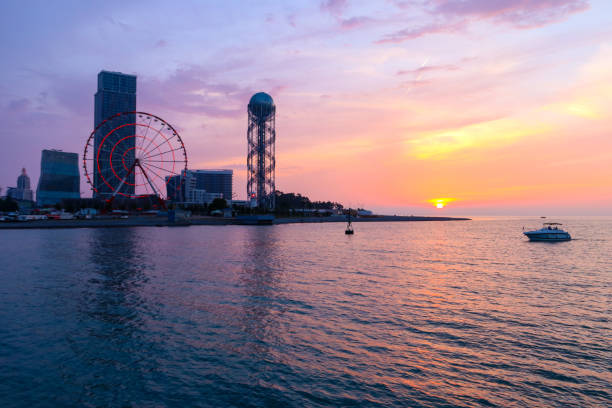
[349,225]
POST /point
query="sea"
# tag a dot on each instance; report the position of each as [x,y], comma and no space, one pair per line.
[401,314]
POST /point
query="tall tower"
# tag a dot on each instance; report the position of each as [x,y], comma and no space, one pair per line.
[261,160]
[116,94]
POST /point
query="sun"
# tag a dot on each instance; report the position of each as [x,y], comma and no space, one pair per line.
[441,202]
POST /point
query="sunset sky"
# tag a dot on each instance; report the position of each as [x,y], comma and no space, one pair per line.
[496,106]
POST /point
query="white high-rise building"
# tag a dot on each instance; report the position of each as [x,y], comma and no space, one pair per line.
[23,191]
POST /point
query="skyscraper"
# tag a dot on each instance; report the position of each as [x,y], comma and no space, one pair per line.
[59,177]
[116,94]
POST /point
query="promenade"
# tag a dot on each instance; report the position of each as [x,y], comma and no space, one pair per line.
[199,220]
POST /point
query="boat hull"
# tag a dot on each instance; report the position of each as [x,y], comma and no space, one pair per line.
[548,237]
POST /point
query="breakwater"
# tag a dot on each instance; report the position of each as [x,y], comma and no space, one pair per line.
[163,222]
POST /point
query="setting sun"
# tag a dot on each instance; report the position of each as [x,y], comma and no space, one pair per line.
[441,202]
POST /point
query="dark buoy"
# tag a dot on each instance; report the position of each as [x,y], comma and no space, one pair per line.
[349,226]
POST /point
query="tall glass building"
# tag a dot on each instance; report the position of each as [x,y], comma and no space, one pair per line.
[116,94]
[59,177]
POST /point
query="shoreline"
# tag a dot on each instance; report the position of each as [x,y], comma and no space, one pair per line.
[163,222]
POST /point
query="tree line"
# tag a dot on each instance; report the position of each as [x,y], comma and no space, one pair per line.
[284,203]
[292,201]
[8,204]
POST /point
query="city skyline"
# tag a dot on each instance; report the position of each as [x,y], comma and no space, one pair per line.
[492,107]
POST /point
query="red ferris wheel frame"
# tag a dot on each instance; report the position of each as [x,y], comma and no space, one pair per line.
[120,158]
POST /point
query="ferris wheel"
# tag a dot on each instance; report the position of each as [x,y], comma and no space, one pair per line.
[134,155]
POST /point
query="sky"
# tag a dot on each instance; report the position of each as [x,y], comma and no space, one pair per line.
[487,106]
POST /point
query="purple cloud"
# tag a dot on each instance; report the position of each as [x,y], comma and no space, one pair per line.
[19,105]
[455,15]
[428,68]
[354,22]
[117,23]
[334,6]
[413,33]
[193,90]
[518,13]
[291,20]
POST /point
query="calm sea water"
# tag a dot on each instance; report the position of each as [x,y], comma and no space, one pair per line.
[432,314]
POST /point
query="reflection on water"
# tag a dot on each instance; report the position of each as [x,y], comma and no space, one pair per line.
[261,278]
[117,260]
[110,338]
[405,314]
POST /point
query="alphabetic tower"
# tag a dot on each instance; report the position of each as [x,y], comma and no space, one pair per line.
[261,161]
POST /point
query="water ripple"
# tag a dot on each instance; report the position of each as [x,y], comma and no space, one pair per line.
[416,314]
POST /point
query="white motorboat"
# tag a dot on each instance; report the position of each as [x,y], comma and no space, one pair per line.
[550,232]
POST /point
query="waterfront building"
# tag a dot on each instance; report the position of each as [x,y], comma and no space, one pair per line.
[59,177]
[200,186]
[215,181]
[198,196]
[22,192]
[116,94]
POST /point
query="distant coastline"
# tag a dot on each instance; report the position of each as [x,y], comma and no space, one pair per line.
[163,222]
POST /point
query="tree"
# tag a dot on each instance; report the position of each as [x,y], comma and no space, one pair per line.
[290,201]
[70,204]
[8,205]
[218,204]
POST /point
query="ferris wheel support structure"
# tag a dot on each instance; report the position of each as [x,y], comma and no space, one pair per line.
[136,163]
